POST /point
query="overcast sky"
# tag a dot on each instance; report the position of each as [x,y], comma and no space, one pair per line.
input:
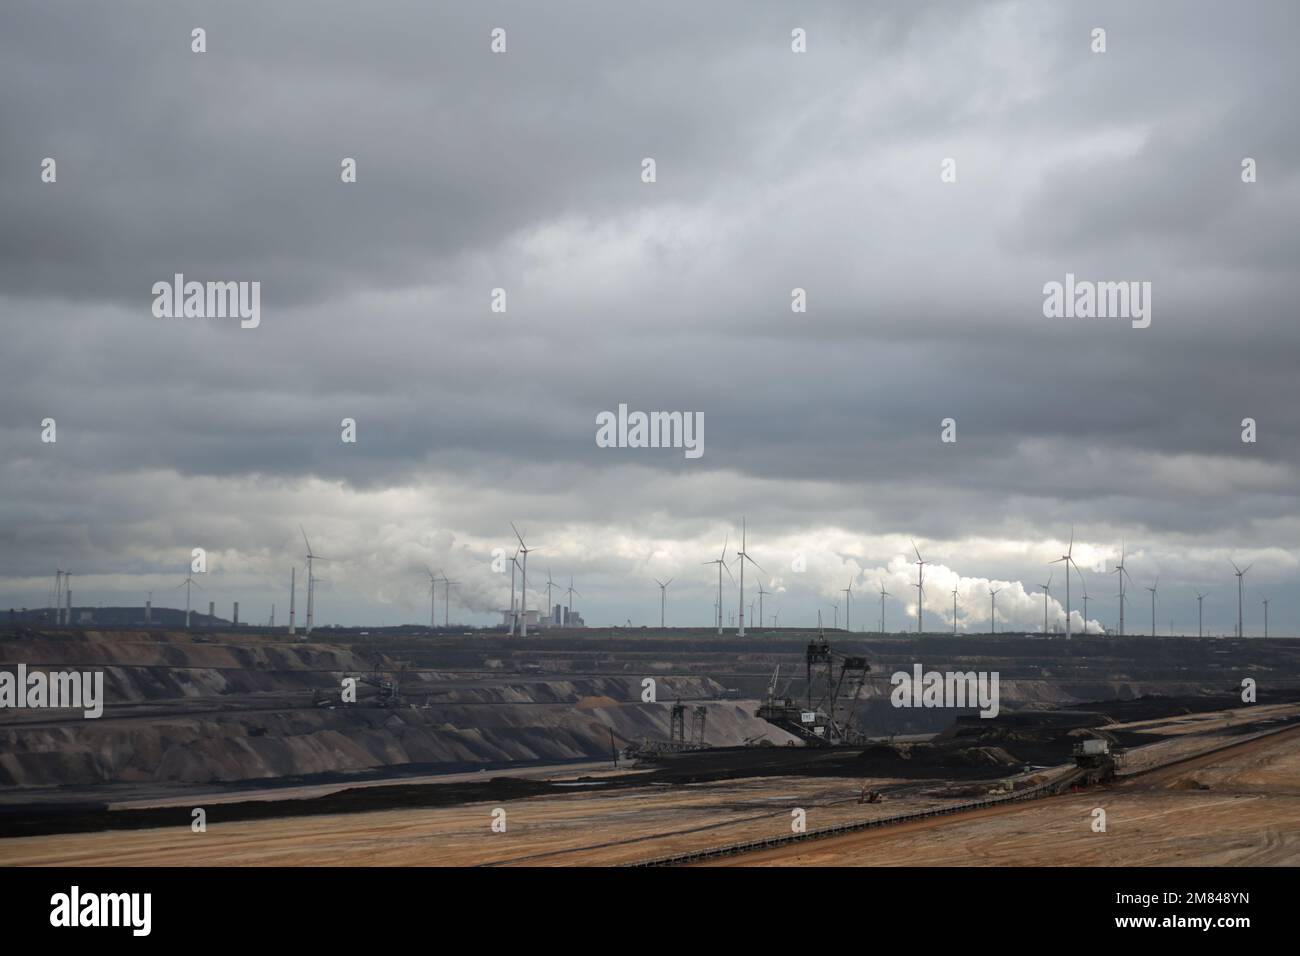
[775,170]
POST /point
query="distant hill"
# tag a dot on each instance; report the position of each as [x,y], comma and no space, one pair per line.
[164,617]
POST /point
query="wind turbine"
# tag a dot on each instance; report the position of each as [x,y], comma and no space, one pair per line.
[1046,590]
[550,608]
[1123,573]
[293,596]
[663,599]
[514,618]
[836,606]
[1152,589]
[446,599]
[954,612]
[721,562]
[1068,558]
[1085,605]
[572,592]
[189,580]
[883,594]
[311,579]
[742,556]
[993,609]
[523,584]
[920,587]
[848,604]
[1240,594]
[433,597]
[1200,617]
[761,592]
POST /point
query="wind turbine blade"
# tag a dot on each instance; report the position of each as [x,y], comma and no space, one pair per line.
[669,581]
[517,534]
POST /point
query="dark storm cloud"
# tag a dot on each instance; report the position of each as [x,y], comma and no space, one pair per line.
[775,171]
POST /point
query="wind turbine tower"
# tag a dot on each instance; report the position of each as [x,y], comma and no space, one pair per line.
[721,562]
[186,584]
[549,606]
[311,580]
[883,594]
[446,599]
[663,599]
[523,584]
[1200,616]
[993,609]
[920,588]
[742,556]
[1240,595]
[1123,573]
[1046,590]
[1068,559]
[433,598]
[514,615]
[572,592]
[1152,589]
[293,595]
[848,604]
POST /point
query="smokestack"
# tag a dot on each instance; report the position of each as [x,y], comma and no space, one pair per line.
[236,620]
[293,591]
[212,613]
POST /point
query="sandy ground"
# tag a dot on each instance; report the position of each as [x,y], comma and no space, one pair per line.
[1240,808]
[1250,814]
[618,827]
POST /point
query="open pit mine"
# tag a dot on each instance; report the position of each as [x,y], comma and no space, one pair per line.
[617,747]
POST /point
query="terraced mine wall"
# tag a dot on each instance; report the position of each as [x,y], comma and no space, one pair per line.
[181,711]
[254,705]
